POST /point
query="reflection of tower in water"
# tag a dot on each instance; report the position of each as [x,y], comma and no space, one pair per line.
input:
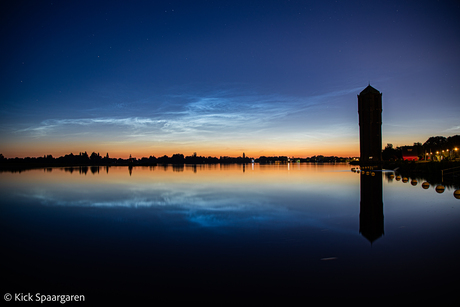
[371,206]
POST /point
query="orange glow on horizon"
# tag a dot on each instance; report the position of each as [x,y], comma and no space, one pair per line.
[206,151]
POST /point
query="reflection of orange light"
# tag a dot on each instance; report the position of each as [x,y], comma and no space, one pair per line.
[258,177]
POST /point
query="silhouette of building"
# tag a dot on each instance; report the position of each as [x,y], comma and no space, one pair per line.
[370,126]
[409,153]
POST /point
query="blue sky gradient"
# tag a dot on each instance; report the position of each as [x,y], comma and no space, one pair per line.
[223,77]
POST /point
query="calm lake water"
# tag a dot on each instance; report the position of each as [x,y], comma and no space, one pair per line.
[227,232]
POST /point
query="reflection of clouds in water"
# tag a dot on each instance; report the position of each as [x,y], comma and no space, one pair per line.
[216,207]
[207,220]
[160,198]
[213,218]
[206,209]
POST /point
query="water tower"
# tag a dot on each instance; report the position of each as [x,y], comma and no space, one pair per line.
[370,127]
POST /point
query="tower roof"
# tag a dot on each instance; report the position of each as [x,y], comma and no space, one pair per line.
[369,89]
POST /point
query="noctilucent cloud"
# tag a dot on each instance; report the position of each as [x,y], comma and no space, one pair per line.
[223,77]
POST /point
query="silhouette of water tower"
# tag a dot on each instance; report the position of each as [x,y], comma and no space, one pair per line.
[370,126]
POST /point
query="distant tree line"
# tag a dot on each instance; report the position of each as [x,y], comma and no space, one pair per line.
[95,159]
[437,145]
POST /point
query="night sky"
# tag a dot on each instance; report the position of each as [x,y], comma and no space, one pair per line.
[223,77]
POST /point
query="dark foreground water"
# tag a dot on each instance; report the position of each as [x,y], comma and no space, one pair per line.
[221,233]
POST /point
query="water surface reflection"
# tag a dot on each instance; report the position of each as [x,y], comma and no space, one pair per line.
[231,231]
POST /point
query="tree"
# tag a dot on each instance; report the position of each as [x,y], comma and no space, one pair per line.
[95,157]
[391,154]
[453,142]
[177,158]
[435,143]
